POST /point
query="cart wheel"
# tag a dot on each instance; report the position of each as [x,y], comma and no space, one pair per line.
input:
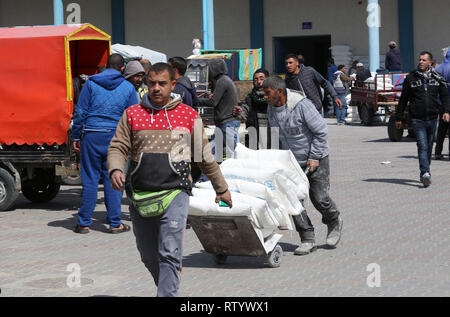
[42,188]
[366,114]
[275,256]
[8,191]
[395,135]
[71,180]
[220,259]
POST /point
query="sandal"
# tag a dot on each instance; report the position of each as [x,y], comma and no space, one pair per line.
[81,230]
[124,228]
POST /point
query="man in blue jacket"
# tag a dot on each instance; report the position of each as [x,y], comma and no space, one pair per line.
[102,101]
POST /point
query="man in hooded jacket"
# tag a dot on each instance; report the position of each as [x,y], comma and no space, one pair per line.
[224,99]
[102,101]
[444,70]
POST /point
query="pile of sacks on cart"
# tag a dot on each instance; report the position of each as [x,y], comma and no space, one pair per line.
[267,186]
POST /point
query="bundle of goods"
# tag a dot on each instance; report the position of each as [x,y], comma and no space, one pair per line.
[267,186]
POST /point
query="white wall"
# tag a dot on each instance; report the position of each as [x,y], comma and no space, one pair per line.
[431,27]
[344,20]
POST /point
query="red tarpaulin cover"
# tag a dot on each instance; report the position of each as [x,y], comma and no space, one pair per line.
[36,69]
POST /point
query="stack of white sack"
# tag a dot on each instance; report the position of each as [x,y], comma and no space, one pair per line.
[383,82]
[342,55]
[267,186]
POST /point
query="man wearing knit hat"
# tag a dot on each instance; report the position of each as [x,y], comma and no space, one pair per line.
[134,73]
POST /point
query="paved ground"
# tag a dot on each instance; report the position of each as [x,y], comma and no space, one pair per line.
[391,223]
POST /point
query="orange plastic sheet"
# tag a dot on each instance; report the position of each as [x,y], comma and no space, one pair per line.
[36,69]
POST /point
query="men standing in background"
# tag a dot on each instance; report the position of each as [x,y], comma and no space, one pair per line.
[223,100]
[332,68]
[308,81]
[102,101]
[340,81]
[254,111]
[444,70]
[184,87]
[134,73]
[393,61]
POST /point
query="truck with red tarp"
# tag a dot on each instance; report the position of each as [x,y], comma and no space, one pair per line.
[38,65]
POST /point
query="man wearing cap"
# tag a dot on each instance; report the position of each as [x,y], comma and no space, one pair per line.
[134,73]
[362,73]
[393,62]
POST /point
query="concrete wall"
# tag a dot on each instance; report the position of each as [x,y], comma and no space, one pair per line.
[346,23]
[169,27]
[431,27]
[40,12]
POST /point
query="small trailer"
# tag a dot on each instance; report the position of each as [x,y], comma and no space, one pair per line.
[380,92]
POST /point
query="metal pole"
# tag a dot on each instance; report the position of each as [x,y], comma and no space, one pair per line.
[373,22]
[208,24]
[58,12]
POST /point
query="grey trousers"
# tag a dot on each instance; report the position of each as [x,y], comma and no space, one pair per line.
[159,241]
[319,182]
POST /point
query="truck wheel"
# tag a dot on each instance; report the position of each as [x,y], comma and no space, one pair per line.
[395,135]
[275,257]
[42,188]
[8,191]
[366,114]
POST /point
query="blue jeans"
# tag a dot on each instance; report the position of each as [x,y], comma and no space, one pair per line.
[93,156]
[341,113]
[424,131]
[230,138]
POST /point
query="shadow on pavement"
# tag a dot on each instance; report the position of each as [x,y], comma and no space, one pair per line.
[386,140]
[98,222]
[206,260]
[288,247]
[406,182]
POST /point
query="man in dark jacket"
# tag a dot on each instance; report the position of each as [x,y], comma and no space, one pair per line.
[422,89]
[444,70]
[224,99]
[308,81]
[102,102]
[184,87]
[393,61]
[254,112]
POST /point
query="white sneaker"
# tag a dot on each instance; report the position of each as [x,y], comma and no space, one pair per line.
[305,248]
[426,179]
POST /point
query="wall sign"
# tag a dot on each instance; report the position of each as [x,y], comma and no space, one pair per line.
[306,25]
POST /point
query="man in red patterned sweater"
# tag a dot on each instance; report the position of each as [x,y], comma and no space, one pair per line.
[159,133]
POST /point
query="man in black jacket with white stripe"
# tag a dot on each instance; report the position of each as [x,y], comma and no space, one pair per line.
[422,89]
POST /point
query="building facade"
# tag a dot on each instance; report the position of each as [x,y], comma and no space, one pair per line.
[278,26]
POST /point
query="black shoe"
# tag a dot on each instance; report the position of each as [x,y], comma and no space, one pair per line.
[438,156]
